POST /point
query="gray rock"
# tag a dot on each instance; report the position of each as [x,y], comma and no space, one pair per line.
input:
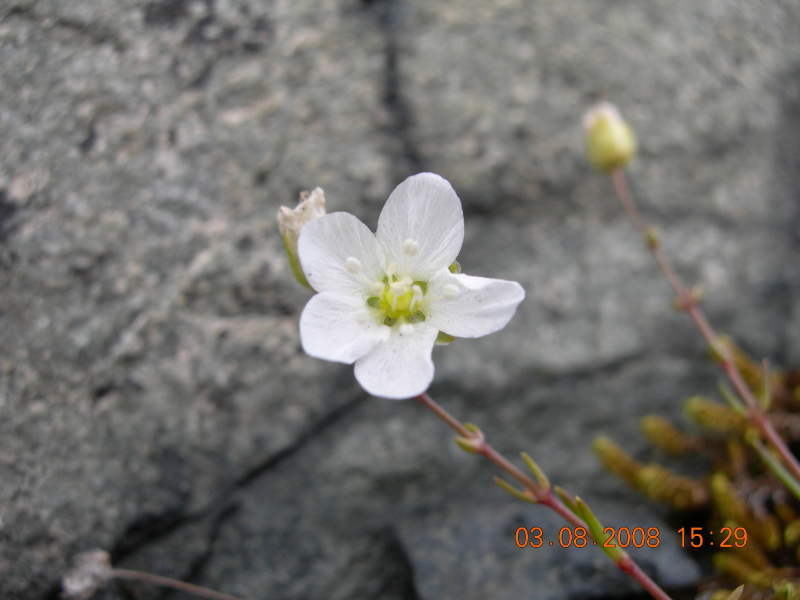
[154,400]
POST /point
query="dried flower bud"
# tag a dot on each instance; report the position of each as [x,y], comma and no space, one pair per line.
[291,221]
[610,142]
[741,570]
[735,511]
[616,460]
[715,416]
[663,434]
[90,572]
[662,485]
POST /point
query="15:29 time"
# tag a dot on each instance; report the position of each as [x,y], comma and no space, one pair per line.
[730,537]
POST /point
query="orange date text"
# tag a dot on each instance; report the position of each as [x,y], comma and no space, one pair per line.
[579,537]
[725,537]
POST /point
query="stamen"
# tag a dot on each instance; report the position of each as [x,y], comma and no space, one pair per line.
[406,329]
[353,265]
[450,291]
[410,247]
[399,298]
[416,295]
[398,288]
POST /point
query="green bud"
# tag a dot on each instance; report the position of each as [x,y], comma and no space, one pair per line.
[467,444]
[290,222]
[653,237]
[474,443]
[610,142]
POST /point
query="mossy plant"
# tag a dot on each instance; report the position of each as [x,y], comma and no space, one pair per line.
[739,495]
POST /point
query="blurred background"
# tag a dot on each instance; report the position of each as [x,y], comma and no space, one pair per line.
[154,399]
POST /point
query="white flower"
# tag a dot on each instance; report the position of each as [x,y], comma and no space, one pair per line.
[384,297]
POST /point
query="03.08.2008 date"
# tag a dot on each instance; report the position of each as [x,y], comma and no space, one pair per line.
[638,537]
[615,537]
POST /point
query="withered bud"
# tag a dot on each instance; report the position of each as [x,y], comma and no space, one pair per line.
[90,572]
[291,221]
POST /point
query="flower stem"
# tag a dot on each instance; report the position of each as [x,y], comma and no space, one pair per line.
[538,494]
[688,301]
[171,583]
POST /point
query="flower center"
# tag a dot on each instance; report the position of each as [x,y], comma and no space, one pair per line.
[399,299]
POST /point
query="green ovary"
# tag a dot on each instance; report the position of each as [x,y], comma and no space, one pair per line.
[400,301]
[394,306]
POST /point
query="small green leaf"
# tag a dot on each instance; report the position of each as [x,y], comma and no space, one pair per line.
[615,553]
[444,338]
[519,494]
[567,500]
[541,478]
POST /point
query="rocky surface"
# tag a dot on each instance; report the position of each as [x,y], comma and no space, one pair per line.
[154,400]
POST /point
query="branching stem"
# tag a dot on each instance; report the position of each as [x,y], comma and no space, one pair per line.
[537,493]
[688,302]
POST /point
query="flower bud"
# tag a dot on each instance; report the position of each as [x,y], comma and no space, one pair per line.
[311,206]
[661,433]
[610,143]
[714,416]
[475,442]
[90,572]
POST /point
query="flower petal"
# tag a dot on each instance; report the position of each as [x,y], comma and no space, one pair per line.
[423,208]
[326,243]
[478,307]
[339,328]
[402,367]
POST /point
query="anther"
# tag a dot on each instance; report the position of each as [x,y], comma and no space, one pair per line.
[376,288]
[417,295]
[410,247]
[450,291]
[398,288]
[390,270]
[406,329]
[353,265]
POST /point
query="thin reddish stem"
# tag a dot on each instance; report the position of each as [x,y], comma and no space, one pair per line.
[175,584]
[688,302]
[537,493]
